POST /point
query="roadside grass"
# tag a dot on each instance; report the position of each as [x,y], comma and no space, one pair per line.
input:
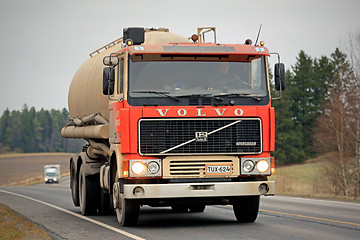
[298,180]
[304,180]
[15,226]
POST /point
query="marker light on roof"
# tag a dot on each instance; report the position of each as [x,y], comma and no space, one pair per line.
[129,42]
[262,43]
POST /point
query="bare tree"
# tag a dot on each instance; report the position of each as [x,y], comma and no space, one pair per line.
[338,127]
[353,50]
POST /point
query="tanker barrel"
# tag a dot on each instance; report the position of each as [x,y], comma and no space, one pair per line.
[92,131]
[88,106]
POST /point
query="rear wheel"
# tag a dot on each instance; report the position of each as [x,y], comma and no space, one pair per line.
[74,184]
[127,210]
[88,189]
[104,206]
[246,208]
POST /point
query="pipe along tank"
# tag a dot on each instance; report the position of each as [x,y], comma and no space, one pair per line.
[88,106]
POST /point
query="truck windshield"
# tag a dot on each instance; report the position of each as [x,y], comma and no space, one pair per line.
[51,174]
[178,79]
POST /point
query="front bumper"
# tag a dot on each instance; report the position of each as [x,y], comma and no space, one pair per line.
[196,190]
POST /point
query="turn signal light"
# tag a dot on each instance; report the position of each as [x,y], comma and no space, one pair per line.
[272,169]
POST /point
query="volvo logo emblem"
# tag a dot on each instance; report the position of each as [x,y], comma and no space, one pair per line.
[201,136]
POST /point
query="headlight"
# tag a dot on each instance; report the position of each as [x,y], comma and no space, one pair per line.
[55,179]
[255,166]
[145,168]
[248,166]
[138,168]
[153,167]
[262,165]
[46,179]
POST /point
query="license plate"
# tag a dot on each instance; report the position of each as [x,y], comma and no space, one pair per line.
[218,169]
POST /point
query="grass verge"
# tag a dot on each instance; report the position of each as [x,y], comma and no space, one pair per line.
[15,226]
[304,180]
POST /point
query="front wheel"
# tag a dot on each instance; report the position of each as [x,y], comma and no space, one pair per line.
[127,210]
[246,208]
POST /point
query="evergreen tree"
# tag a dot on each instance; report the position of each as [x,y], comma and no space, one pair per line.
[288,141]
[31,131]
[4,124]
[302,103]
[13,132]
[37,138]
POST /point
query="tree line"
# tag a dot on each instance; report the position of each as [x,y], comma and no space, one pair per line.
[319,115]
[28,131]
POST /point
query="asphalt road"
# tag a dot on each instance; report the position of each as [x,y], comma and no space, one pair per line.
[50,206]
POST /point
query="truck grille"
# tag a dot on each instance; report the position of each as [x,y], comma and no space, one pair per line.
[200,136]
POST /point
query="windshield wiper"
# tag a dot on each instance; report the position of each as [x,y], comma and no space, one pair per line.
[242,95]
[158,93]
[202,95]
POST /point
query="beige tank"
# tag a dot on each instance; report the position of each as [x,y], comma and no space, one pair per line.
[85,93]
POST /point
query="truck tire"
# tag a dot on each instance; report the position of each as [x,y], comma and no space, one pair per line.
[88,190]
[127,210]
[104,205]
[199,207]
[74,185]
[246,208]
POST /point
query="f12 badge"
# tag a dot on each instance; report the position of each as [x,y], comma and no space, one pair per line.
[201,136]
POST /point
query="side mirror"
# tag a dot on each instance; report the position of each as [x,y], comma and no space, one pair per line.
[279,76]
[108,81]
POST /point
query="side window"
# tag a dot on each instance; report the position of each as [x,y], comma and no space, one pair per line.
[120,76]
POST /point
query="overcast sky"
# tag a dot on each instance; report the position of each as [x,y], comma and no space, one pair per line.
[44,42]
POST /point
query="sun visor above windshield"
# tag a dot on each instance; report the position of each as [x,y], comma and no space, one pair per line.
[197,49]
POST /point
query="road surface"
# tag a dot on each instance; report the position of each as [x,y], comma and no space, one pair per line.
[50,205]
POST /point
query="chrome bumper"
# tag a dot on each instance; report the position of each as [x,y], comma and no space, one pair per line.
[195,190]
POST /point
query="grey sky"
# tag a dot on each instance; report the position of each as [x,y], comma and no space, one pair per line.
[44,42]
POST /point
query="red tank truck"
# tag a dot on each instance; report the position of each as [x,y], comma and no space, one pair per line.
[172,121]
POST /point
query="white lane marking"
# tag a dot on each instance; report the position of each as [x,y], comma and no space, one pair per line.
[286,198]
[79,216]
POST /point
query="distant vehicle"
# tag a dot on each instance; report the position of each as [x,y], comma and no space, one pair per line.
[52,173]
